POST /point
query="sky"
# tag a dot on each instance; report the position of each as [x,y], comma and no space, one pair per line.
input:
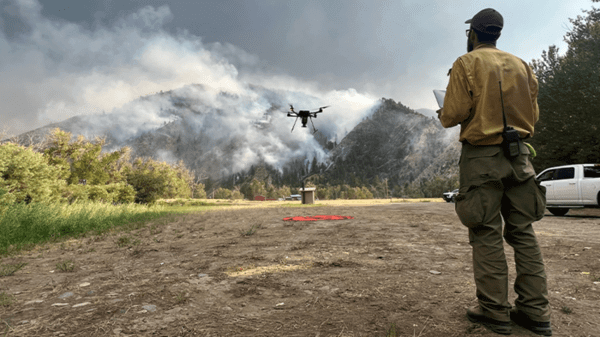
[61,58]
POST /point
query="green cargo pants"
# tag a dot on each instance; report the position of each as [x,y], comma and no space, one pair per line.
[493,188]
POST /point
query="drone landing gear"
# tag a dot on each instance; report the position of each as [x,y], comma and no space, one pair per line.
[304,125]
[313,125]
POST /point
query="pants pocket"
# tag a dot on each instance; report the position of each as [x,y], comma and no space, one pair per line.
[469,206]
[540,201]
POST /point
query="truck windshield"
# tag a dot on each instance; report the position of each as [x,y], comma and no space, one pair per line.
[591,172]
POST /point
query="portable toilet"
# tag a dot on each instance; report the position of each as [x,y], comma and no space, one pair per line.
[308,195]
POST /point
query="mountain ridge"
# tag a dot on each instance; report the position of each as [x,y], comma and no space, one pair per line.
[396,144]
[392,141]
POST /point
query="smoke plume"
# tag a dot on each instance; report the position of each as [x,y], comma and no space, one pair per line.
[112,77]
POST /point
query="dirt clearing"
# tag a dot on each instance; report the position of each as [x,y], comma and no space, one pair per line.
[397,269]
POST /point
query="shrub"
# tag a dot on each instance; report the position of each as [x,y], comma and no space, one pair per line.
[121,192]
[366,194]
[236,195]
[100,193]
[27,176]
[82,159]
[75,192]
[253,188]
[5,197]
[199,191]
[153,180]
[223,193]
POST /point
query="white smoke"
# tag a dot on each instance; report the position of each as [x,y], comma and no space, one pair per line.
[54,70]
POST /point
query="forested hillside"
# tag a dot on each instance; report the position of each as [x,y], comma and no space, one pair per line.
[397,145]
[390,152]
[394,152]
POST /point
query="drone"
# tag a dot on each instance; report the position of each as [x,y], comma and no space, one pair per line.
[305,115]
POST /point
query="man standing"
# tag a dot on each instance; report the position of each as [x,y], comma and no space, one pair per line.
[497,180]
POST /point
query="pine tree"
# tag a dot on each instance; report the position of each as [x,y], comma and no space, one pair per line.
[569,97]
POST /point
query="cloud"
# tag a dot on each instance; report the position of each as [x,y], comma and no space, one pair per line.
[55,70]
[110,75]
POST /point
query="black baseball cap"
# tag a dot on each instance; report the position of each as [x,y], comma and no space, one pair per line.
[487,21]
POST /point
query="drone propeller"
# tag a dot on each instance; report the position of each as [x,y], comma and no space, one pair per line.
[323,107]
[292,113]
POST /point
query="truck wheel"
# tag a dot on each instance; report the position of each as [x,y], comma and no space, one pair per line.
[558,211]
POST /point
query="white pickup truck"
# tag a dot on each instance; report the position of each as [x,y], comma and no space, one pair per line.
[571,186]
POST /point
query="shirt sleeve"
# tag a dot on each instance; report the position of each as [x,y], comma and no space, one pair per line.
[458,101]
[533,89]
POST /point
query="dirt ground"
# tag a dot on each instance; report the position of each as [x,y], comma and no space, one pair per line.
[398,266]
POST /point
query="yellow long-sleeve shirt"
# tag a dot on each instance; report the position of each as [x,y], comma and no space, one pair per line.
[473,96]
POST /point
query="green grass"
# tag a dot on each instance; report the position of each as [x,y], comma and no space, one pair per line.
[10,269]
[5,299]
[181,298]
[123,241]
[391,332]
[191,202]
[249,231]
[126,241]
[66,266]
[23,226]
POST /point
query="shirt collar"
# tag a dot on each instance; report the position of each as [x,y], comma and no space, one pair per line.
[485,45]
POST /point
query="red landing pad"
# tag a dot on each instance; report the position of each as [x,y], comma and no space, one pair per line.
[317,217]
